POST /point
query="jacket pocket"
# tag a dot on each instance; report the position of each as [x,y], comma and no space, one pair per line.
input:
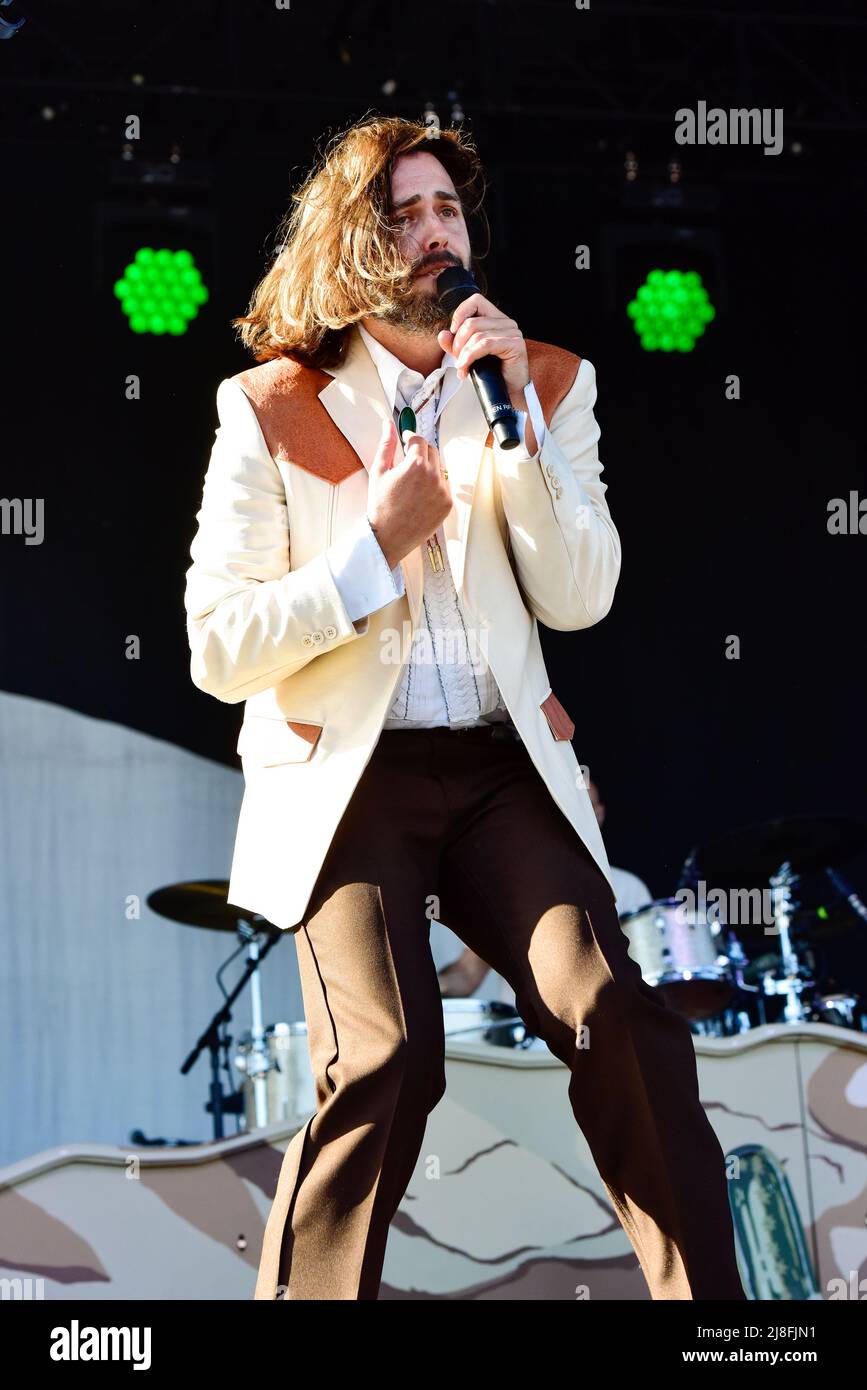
[267,742]
[559,722]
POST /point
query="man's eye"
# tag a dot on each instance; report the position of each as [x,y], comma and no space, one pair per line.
[404,218]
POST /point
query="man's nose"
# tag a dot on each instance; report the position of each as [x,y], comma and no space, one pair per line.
[433,235]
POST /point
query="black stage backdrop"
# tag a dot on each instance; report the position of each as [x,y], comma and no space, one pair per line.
[722,505]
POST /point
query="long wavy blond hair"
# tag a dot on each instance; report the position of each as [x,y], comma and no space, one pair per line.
[337,258]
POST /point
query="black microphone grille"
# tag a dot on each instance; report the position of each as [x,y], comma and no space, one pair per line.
[455,284]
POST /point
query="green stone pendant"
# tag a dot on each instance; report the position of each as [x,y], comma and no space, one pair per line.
[406,421]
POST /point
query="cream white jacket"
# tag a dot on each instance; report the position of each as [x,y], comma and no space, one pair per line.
[530,539]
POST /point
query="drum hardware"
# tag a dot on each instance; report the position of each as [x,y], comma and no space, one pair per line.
[727,1024]
[789,979]
[741,965]
[736,1018]
[842,1009]
[204,903]
[485,1020]
[285,1070]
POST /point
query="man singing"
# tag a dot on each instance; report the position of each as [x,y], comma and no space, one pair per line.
[391,780]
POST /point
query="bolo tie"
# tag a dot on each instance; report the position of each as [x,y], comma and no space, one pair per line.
[407,421]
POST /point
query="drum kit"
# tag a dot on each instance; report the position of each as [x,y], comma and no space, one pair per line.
[747,952]
[753,949]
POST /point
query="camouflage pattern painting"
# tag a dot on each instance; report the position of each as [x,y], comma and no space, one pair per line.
[505,1201]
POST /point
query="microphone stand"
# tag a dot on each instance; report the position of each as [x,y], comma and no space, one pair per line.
[212,1040]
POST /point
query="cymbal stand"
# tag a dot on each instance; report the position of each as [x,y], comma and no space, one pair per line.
[791,980]
[260,1062]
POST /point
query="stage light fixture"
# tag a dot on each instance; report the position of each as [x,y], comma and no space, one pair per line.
[160,291]
[670,311]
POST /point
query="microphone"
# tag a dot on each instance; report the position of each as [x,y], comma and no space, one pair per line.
[454,285]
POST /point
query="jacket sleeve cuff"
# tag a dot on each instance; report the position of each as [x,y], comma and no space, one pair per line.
[361,573]
[537,420]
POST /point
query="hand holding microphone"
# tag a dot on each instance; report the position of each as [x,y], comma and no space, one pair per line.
[488,345]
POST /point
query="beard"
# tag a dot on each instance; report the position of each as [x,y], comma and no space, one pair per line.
[416,313]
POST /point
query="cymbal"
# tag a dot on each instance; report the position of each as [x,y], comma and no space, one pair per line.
[750,855]
[202,903]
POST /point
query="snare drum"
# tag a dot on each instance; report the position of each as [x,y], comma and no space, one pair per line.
[290,1091]
[678,952]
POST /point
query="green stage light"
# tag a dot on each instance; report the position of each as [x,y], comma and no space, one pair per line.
[670,311]
[160,291]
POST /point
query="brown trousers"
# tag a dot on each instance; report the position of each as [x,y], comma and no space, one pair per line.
[464,818]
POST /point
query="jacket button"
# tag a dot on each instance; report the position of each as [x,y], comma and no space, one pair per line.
[318,636]
[331,632]
[307,640]
[550,469]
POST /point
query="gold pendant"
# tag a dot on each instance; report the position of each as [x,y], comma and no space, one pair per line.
[436,555]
